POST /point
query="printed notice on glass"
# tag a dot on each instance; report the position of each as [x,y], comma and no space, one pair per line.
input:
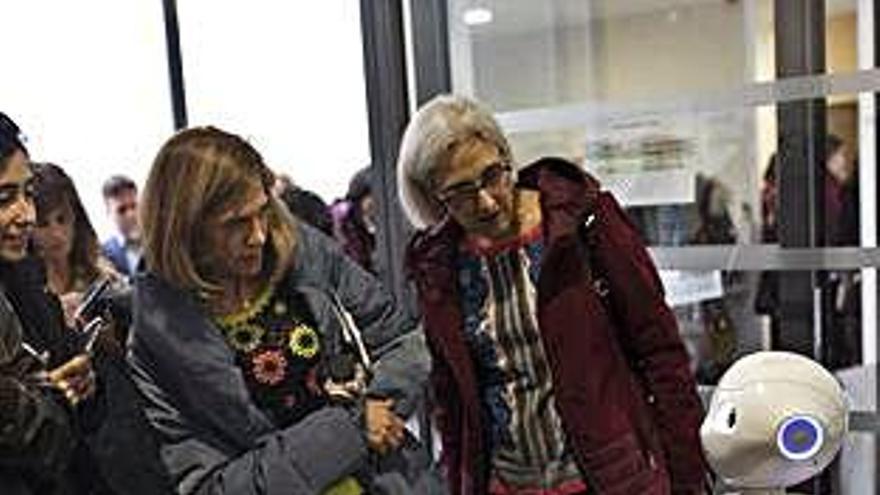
[688,287]
[646,160]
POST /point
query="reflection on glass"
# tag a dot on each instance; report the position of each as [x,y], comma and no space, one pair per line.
[532,54]
[685,178]
[841,40]
[724,315]
[686,175]
[717,319]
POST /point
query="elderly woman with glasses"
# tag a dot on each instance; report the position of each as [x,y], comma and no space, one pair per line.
[558,367]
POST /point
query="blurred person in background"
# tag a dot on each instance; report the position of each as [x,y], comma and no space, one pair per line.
[282,183]
[719,330]
[844,340]
[308,207]
[354,220]
[842,289]
[68,246]
[841,188]
[123,248]
[65,239]
[767,295]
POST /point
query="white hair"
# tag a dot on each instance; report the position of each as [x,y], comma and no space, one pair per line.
[435,129]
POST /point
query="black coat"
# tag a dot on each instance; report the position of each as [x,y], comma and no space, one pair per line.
[37,431]
[104,446]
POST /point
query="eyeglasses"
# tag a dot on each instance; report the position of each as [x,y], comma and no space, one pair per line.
[465,195]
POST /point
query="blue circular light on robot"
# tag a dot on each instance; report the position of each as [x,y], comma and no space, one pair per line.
[799,438]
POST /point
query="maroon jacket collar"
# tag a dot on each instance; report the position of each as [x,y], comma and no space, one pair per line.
[567,196]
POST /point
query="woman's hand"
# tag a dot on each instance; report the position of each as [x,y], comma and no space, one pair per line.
[385,430]
[75,378]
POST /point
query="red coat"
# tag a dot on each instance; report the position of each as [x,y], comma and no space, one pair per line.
[623,387]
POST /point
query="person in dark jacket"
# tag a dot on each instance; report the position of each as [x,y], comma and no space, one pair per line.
[43,380]
[717,342]
[308,207]
[67,243]
[558,367]
[843,334]
[244,341]
[70,253]
[354,220]
[124,248]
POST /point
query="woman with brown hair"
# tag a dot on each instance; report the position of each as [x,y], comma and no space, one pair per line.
[65,240]
[242,342]
[68,247]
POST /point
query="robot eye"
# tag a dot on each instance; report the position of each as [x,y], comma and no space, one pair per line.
[725,418]
[799,437]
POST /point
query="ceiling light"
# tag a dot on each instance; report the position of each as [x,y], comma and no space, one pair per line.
[477,16]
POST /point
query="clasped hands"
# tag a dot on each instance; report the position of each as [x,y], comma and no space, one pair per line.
[385,429]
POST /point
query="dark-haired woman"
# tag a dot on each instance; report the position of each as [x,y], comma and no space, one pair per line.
[44,381]
[68,246]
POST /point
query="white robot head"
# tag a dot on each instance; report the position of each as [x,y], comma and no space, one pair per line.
[776,419]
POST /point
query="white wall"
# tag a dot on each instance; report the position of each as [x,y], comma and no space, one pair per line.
[697,48]
[88,83]
[639,57]
[691,50]
[287,75]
